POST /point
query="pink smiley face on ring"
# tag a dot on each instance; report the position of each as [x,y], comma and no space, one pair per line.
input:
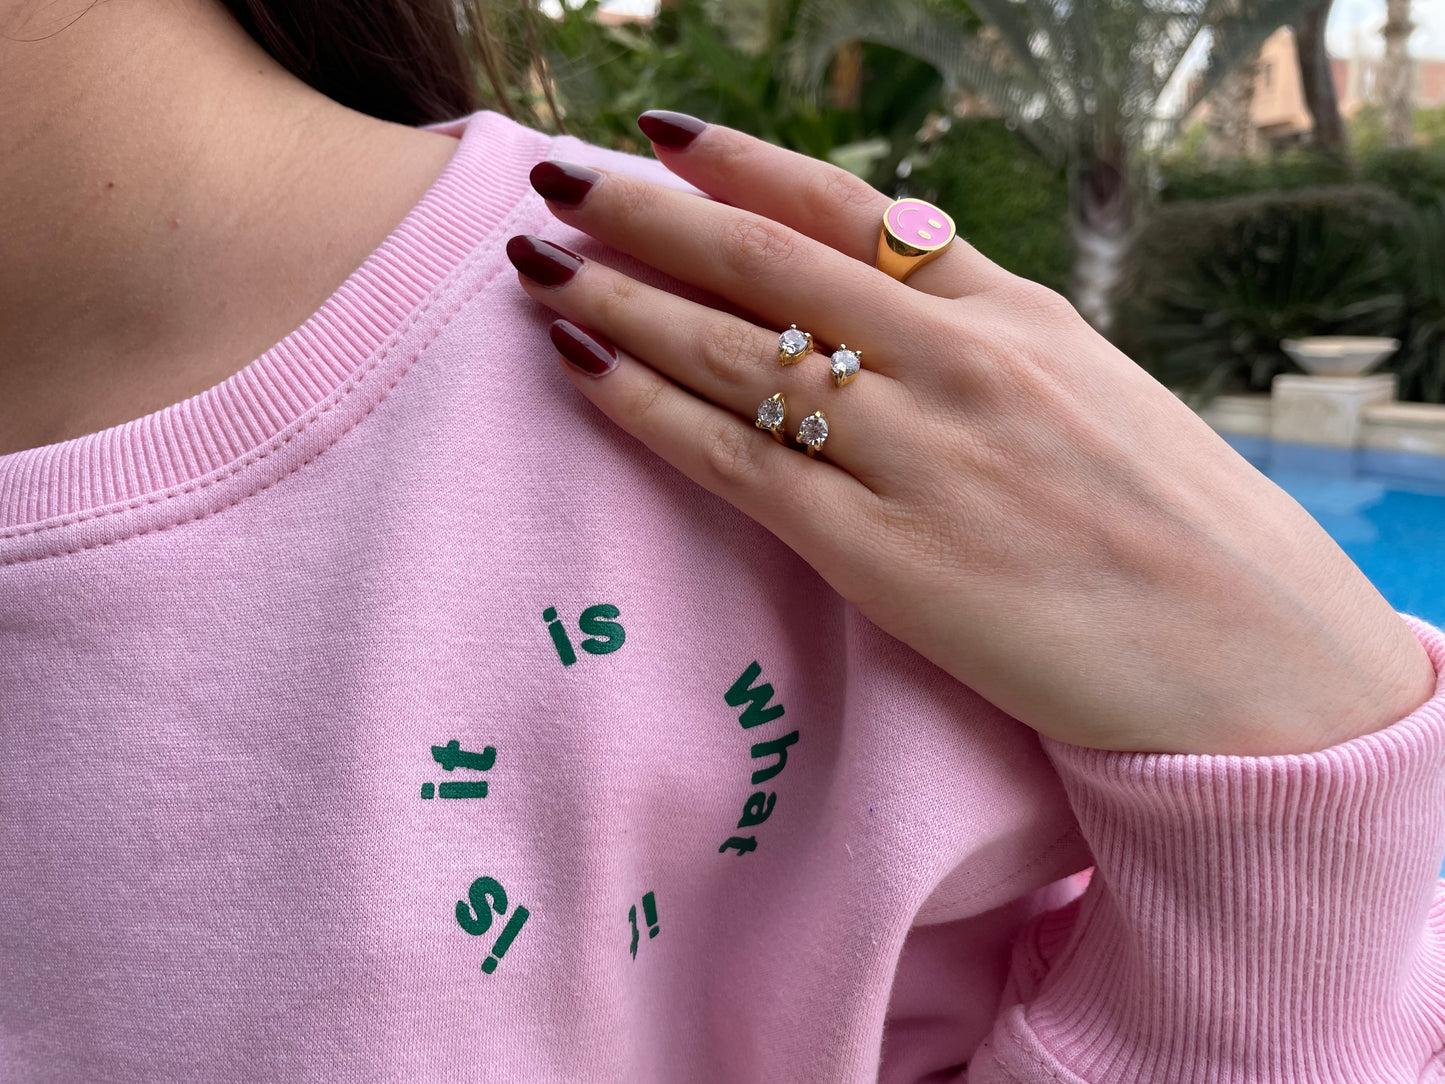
[918,224]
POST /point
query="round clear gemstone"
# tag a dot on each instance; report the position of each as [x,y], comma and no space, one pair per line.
[770,413]
[813,430]
[793,342]
[845,363]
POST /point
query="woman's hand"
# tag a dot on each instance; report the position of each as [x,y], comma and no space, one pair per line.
[1000,488]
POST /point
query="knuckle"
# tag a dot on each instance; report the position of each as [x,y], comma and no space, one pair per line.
[725,349]
[616,296]
[643,405]
[1038,303]
[730,454]
[753,243]
[840,191]
[630,200]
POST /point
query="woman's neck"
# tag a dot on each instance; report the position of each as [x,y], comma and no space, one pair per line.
[172,203]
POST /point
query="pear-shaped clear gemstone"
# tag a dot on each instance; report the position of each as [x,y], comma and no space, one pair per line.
[770,413]
[845,364]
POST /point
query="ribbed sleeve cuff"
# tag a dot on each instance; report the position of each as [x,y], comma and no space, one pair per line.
[1250,918]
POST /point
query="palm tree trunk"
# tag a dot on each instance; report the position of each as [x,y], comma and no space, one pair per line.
[1396,78]
[1230,124]
[1104,207]
[1316,79]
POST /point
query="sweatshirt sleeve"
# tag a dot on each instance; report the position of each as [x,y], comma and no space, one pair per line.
[1250,919]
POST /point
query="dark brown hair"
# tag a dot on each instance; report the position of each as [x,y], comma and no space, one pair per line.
[410,61]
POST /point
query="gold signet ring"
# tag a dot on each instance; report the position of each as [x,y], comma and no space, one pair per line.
[913,233]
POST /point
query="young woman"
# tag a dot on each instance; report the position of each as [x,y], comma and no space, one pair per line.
[373,706]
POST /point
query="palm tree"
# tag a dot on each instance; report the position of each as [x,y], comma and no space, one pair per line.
[1317,81]
[1396,81]
[1084,80]
[1229,128]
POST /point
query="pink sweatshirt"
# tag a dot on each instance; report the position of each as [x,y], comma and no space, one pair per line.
[384,713]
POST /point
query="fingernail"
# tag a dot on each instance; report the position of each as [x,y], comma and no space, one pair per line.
[563,182]
[668,129]
[583,350]
[541,261]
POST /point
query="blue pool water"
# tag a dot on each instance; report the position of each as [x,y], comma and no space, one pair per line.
[1386,510]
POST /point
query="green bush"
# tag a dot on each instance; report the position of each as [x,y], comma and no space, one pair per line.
[1007,201]
[1241,256]
[1430,124]
[1421,362]
[1198,178]
[1415,173]
[1217,284]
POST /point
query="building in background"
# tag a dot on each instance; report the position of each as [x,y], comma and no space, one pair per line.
[1277,112]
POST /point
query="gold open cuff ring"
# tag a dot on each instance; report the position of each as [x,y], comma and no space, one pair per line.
[794,346]
[813,431]
[771,413]
[844,364]
[913,233]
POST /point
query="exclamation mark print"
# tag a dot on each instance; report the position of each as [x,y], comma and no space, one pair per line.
[649,910]
[514,927]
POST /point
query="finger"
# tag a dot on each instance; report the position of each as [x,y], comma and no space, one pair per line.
[723,358]
[759,265]
[815,198]
[808,503]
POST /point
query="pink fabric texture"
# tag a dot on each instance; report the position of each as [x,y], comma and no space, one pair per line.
[385,713]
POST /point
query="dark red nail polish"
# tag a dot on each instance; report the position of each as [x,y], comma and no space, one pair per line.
[563,182]
[541,261]
[674,131]
[583,350]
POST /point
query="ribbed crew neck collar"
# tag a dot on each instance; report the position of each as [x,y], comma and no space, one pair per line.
[185,442]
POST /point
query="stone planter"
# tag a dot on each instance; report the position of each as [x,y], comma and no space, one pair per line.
[1339,355]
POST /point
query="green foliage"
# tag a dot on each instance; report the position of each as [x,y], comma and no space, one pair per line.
[1218,284]
[1430,125]
[1007,201]
[1421,361]
[1367,129]
[1199,178]
[708,59]
[1365,255]
[1415,173]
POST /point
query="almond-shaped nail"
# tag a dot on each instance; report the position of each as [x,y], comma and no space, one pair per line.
[563,182]
[541,261]
[669,130]
[583,350]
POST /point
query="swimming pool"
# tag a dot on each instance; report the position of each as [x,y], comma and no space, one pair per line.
[1386,511]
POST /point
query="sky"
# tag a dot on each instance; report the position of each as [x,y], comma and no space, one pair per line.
[1347,19]
[1365,17]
